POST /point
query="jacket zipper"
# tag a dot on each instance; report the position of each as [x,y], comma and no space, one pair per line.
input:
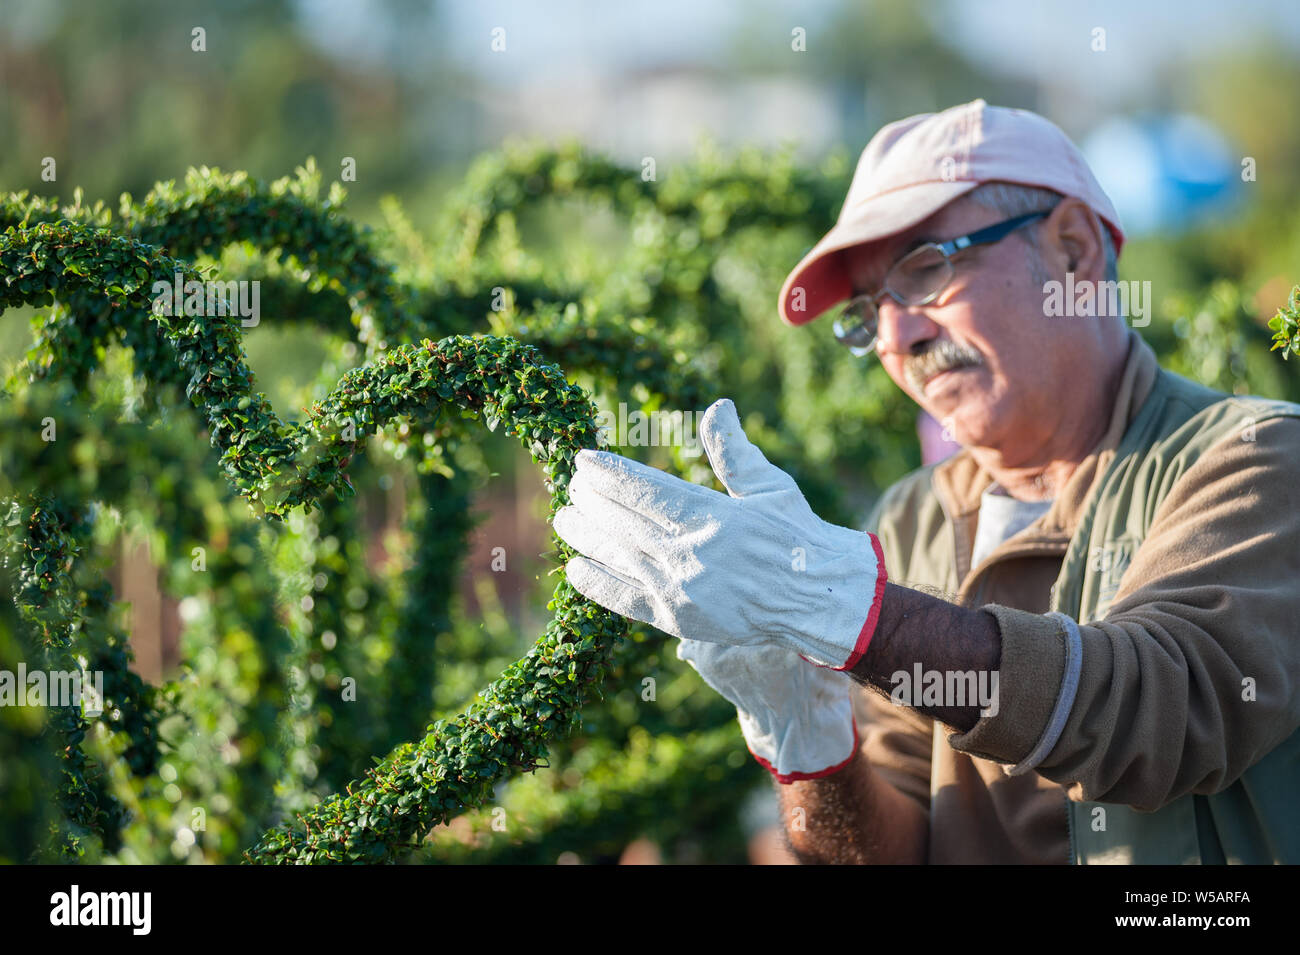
[1033,546]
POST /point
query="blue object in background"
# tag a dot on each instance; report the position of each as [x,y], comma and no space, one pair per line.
[1164,173]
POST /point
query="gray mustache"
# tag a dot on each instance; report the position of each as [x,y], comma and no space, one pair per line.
[943,356]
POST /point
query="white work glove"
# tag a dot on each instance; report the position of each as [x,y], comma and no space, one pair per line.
[797,719]
[753,569]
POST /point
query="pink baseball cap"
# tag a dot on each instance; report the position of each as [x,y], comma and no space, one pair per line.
[916,166]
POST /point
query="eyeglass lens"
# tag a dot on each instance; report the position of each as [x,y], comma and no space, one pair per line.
[913,280]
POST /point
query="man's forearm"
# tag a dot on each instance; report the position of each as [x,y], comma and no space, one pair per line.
[853,817]
[914,628]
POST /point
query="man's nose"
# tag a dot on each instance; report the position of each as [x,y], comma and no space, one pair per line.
[902,329]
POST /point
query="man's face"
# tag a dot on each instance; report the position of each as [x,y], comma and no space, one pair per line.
[982,358]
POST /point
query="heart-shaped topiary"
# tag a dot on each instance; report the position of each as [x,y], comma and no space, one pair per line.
[316,267]
[279,467]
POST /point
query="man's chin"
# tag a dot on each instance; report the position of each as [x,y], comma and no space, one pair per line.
[940,399]
[958,397]
[946,382]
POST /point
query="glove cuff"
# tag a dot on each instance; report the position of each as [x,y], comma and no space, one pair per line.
[842,657]
[792,777]
[814,738]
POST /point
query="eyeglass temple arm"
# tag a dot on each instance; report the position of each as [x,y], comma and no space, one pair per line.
[992,234]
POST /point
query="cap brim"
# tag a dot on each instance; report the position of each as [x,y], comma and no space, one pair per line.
[820,275]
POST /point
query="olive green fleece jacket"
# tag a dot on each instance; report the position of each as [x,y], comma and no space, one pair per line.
[1149,683]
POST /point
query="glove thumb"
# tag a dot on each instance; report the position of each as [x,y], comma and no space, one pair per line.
[739,465]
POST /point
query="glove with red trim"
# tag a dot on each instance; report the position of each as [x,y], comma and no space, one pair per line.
[797,718]
[753,568]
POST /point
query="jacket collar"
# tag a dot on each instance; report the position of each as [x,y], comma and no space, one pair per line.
[959,481]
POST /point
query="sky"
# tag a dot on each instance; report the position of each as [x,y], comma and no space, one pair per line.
[1089,62]
[1030,38]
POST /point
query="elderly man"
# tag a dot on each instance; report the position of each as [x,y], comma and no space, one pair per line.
[1078,635]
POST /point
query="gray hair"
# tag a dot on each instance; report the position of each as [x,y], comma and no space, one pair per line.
[1012,199]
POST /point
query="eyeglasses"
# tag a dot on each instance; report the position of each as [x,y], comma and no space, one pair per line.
[915,279]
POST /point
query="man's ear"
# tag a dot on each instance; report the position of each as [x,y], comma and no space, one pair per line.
[1071,239]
